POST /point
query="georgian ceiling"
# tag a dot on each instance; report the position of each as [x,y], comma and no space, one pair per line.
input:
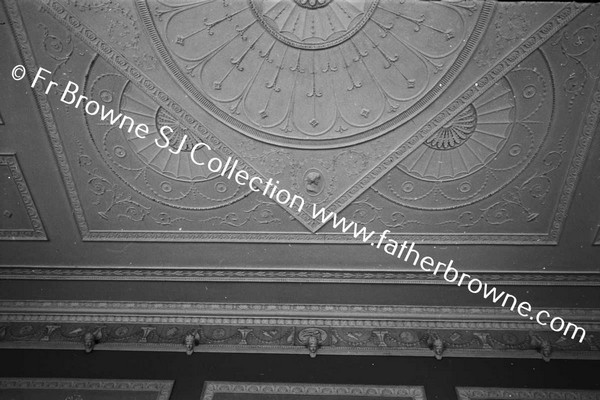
[465,126]
[452,122]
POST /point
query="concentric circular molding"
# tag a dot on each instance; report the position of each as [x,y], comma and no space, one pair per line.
[261,69]
[337,21]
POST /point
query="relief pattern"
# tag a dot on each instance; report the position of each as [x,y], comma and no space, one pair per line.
[480,393]
[80,389]
[288,275]
[296,328]
[291,390]
[256,64]
[488,164]
[19,219]
[480,153]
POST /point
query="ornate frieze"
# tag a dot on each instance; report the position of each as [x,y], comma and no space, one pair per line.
[290,328]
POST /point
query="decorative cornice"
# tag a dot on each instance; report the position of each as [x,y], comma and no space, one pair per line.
[221,274]
[292,328]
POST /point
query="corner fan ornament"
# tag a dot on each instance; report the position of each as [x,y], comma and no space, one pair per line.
[314,73]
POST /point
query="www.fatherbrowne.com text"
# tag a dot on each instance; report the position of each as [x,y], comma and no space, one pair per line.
[406,250]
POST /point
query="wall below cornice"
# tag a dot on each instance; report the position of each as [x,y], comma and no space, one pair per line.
[439,378]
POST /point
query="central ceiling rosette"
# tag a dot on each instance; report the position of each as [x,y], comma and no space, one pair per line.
[313,24]
[313,73]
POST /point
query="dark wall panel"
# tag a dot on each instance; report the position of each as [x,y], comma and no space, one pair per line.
[190,372]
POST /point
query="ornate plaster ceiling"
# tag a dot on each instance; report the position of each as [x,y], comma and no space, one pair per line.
[452,123]
[433,120]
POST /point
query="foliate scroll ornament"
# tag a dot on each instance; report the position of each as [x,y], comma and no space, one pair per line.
[58,48]
[541,345]
[358,337]
[122,28]
[274,335]
[510,341]
[511,26]
[579,46]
